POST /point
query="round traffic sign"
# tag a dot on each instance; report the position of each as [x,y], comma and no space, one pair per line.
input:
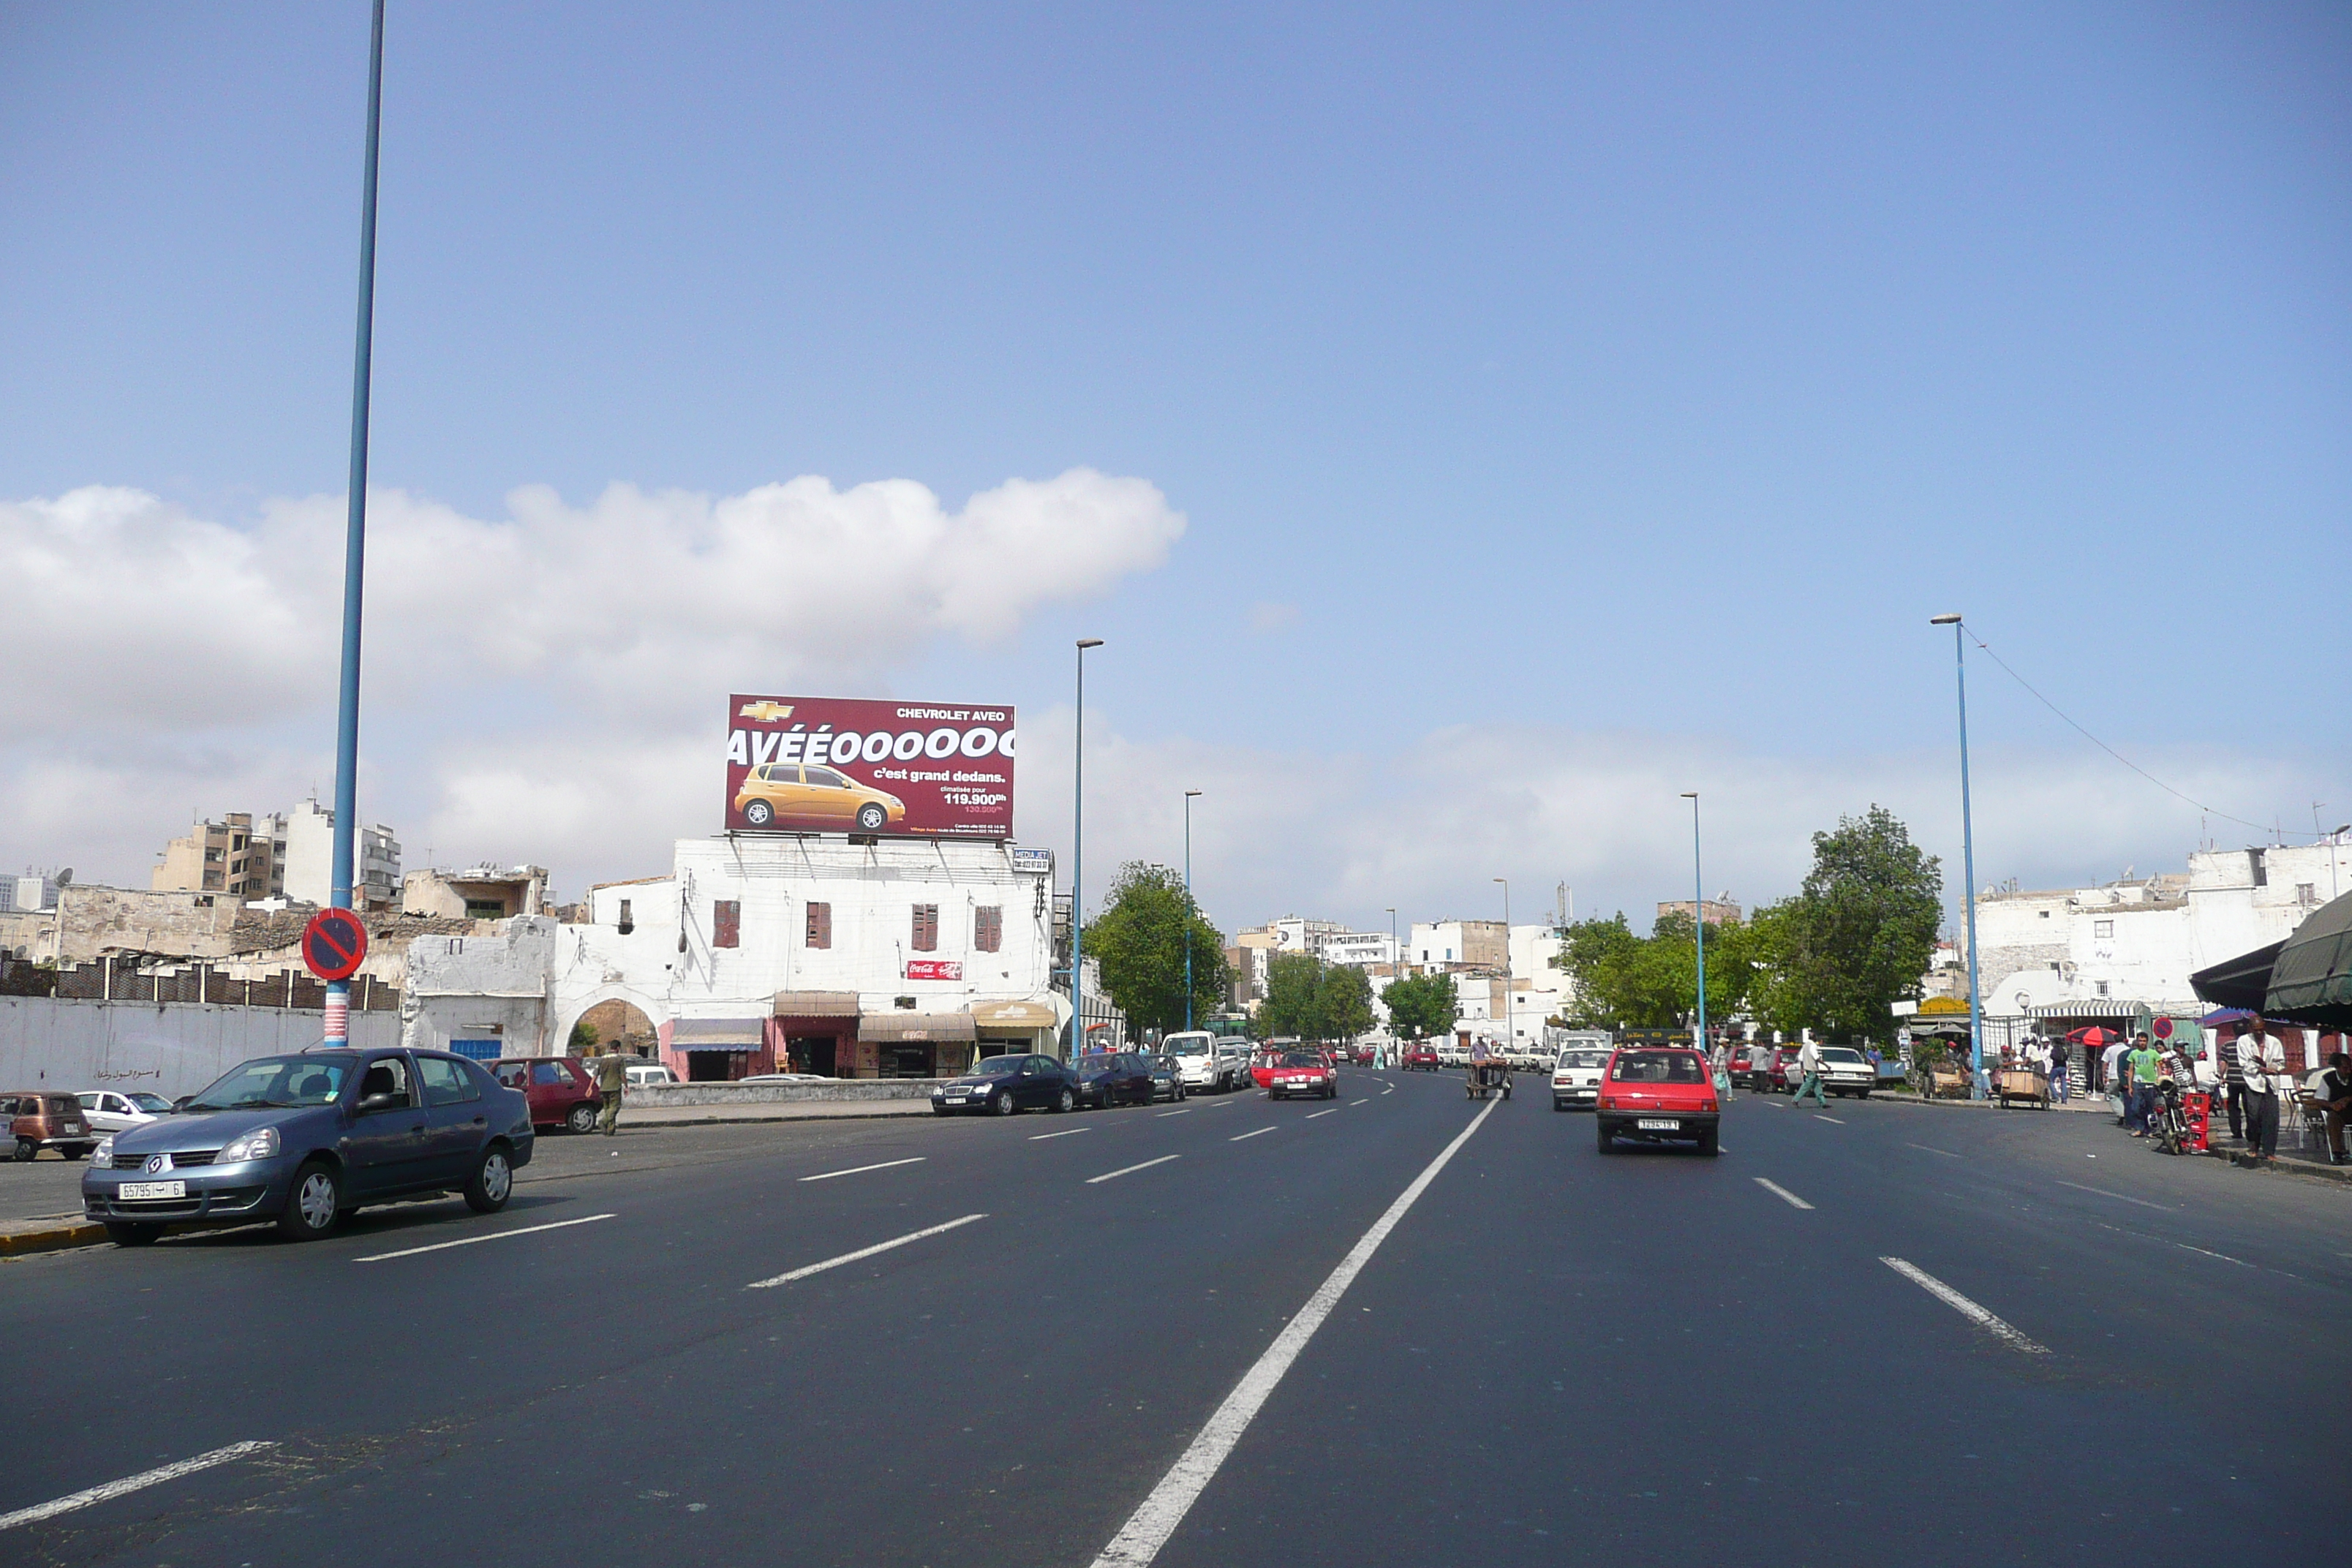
[2162,1028]
[333,944]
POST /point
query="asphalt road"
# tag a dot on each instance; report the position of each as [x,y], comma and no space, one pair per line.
[1552,1355]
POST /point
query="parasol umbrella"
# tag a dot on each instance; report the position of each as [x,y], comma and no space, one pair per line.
[2098,1039]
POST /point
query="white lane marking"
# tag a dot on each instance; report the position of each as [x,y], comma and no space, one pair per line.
[1366,1100]
[1946,1153]
[471,1240]
[1155,1519]
[1186,1112]
[861,1252]
[1240,1136]
[1819,1117]
[1783,1193]
[1064,1132]
[861,1170]
[2222,1256]
[112,1490]
[1964,1307]
[1322,1113]
[2126,1197]
[1391,1089]
[1131,1170]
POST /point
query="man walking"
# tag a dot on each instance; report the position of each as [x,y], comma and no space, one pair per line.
[612,1077]
[2261,1060]
[2147,1066]
[1808,1066]
[2333,1097]
[2234,1082]
[2058,1064]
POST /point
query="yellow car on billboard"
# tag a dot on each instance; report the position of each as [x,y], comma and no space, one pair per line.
[782,794]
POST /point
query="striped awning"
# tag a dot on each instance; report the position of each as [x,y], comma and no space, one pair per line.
[2097,1007]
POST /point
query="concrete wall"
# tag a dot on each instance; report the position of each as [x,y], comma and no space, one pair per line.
[92,921]
[170,1048]
[486,987]
[648,1095]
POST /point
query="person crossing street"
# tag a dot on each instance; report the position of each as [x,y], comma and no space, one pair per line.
[612,1077]
[1808,1065]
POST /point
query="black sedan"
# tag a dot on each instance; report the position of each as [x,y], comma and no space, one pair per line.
[305,1140]
[1114,1078]
[1167,1078]
[1002,1085]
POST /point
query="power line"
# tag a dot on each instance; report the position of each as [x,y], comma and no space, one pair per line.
[2258,826]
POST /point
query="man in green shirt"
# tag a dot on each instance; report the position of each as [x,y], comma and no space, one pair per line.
[612,1069]
[2146,1067]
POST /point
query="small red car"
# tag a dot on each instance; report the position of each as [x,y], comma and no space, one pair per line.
[561,1090]
[1302,1072]
[1657,1094]
[1421,1058]
[1771,1069]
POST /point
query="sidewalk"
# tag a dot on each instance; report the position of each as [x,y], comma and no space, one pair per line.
[806,1111]
[2293,1158]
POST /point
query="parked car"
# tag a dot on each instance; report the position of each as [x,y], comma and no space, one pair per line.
[1302,1073]
[1657,1094]
[1234,1053]
[37,1121]
[307,1138]
[785,1077]
[1576,1078]
[1421,1058]
[1846,1071]
[1167,1078]
[1769,1069]
[561,1090]
[114,1110]
[648,1072]
[1741,1063]
[1209,1064]
[1003,1085]
[1364,1054]
[1112,1077]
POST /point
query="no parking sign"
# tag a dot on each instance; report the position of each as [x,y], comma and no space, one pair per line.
[333,944]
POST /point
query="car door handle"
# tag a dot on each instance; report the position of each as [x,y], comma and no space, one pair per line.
[482,1121]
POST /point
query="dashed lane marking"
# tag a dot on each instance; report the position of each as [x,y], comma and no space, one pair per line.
[862,1253]
[1819,1117]
[144,1479]
[1186,1112]
[1366,1100]
[1967,1309]
[2124,1197]
[1131,1170]
[1064,1132]
[1924,1148]
[1783,1193]
[861,1170]
[1322,1113]
[1147,1530]
[473,1240]
[1260,1132]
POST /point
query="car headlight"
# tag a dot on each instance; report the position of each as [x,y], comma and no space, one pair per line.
[259,1144]
[102,1157]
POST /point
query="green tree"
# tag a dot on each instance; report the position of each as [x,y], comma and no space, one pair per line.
[583,1040]
[1343,1001]
[1422,1005]
[1140,940]
[1858,936]
[1294,997]
[1628,981]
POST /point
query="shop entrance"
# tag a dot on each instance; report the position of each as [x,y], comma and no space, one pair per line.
[819,1054]
[909,1060]
[717,1067]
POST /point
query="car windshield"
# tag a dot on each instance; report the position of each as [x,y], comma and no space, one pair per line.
[275,1083]
[1098,1064]
[1302,1059]
[153,1104]
[1583,1059]
[1187,1044]
[1657,1067]
[1840,1054]
[999,1067]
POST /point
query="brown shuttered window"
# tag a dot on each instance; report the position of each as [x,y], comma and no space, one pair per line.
[820,925]
[988,928]
[726,922]
[927,928]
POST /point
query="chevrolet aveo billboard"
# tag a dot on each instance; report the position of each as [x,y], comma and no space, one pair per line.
[826,765]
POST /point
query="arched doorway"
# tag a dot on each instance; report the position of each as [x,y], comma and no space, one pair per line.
[613,1023]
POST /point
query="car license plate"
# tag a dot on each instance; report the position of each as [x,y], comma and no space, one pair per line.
[1659,1124]
[152,1190]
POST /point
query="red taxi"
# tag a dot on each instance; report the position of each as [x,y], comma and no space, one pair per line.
[1657,1094]
[1302,1073]
[561,1090]
[1421,1058]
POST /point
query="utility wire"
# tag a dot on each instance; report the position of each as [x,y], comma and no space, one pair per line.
[2258,826]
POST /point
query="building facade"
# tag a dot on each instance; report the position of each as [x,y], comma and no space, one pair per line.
[241,854]
[310,858]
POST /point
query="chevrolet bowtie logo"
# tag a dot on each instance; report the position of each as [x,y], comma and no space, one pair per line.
[766,712]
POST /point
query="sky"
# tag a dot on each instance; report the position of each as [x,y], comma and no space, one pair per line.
[1468,429]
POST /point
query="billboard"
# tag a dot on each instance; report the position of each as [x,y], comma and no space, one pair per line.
[828,765]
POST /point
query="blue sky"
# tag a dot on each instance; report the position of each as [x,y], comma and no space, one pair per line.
[1564,408]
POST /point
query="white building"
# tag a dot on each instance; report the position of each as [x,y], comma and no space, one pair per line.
[1439,944]
[308,858]
[1360,949]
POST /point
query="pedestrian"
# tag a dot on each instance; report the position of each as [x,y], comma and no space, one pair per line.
[1808,1065]
[2334,1098]
[2146,1067]
[2262,1059]
[2234,1082]
[1721,1059]
[2111,1076]
[612,1077]
[2058,1066]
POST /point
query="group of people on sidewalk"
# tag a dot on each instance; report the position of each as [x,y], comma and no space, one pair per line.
[2248,1071]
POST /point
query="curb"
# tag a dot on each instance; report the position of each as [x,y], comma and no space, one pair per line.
[53,1238]
[914,1107]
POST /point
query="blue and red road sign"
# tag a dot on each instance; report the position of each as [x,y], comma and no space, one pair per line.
[333,944]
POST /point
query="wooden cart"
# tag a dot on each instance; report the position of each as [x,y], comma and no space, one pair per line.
[2014,1086]
[1947,1083]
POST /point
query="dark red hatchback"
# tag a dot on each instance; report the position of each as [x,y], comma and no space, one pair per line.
[561,1090]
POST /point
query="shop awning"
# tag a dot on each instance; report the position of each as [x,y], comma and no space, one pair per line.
[717,1035]
[993,1015]
[2312,980]
[2096,1007]
[2239,982]
[815,1005]
[915,1027]
[1944,1007]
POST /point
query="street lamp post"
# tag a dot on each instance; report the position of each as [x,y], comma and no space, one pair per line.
[1510,993]
[1396,973]
[1698,915]
[1967,862]
[338,1021]
[1190,797]
[1078,863]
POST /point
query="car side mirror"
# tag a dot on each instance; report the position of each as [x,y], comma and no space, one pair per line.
[379,1102]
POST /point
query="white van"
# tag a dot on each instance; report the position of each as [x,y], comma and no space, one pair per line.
[1209,1065]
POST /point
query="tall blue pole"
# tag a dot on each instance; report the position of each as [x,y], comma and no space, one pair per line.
[1188,906]
[1699,911]
[1078,863]
[1968,864]
[347,717]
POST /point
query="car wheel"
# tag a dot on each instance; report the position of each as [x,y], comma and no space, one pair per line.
[1707,1142]
[312,1204]
[1862,1094]
[872,818]
[582,1118]
[125,1235]
[493,1181]
[759,814]
[27,1150]
[1558,1103]
[1002,1104]
[1608,1138]
[73,1153]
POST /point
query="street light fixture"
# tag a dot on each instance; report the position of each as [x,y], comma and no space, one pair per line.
[1510,993]
[1190,797]
[1078,863]
[1967,862]
[1698,916]
[1396,971]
